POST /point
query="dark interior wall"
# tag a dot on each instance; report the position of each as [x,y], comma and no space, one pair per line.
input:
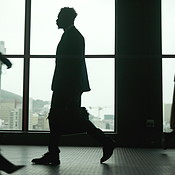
[139,67]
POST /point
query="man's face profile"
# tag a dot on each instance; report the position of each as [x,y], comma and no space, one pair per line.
[60,20]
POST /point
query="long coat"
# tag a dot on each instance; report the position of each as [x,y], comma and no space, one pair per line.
[70,75]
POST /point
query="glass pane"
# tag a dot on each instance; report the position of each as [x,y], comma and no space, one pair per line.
[95,20]
[40,92]
[11,82]
[168,88]
[12,26]
[99,101]
[168,26]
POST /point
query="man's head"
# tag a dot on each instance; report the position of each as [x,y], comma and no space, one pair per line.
[66,17]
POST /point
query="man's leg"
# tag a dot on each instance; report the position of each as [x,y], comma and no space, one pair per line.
[87,126]
[52,156]
[54,137]
[107,143]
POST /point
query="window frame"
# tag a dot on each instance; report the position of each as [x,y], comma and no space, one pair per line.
[27,56]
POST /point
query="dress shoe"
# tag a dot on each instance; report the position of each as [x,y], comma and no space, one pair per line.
[108,151]
[47,159]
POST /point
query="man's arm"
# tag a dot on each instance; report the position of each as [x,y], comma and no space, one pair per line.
[5,61]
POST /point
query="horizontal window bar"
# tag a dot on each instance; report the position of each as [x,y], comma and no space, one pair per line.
[168,56]
[53,56]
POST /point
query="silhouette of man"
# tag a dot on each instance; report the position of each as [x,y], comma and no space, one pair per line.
[70,80]
[6,165]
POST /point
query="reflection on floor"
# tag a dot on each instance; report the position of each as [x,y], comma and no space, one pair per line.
[85,161]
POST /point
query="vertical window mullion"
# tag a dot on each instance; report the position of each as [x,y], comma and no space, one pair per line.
[115,71]
[26,65]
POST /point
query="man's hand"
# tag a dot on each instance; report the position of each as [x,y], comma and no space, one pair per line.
[5,61]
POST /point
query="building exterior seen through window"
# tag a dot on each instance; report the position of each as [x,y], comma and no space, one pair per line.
[11,98]
[44,37]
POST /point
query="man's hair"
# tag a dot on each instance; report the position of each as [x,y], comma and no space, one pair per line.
[70,13]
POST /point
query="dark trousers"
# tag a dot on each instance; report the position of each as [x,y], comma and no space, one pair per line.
[64,118]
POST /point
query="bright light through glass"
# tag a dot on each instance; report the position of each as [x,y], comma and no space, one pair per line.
[168,64]
[95,20]
[168,27]
[12,26]
[99,101]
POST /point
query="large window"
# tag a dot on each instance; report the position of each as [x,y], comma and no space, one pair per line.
[168,62]
[36,48]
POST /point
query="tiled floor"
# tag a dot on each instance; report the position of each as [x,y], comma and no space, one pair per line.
[85,161]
